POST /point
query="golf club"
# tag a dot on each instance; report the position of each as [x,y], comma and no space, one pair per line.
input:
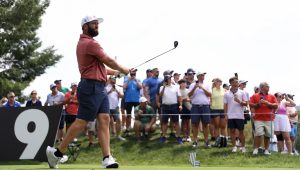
[175,45]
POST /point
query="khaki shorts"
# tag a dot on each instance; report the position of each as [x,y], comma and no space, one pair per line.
[264,128]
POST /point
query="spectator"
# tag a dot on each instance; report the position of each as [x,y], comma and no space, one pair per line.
[256,89]
[34,101]
[114,95]
[176,77]
[217,113]
[293,115]
[190,73]
[185,112]
[144,83]
[3,101]
[58,84]
[234,100]
[11,101]
[144,119]
[226,87]
[71,105]
[56,98]
[200,92]
[170,109]
[282,126]
[132,87]
[263,105]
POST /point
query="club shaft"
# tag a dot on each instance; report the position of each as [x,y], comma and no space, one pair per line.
[154,57]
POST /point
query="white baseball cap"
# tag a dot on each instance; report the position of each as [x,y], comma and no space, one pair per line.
[90,18]
[143,99]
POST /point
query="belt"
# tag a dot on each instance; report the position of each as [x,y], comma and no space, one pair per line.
[200,105]
[93,80]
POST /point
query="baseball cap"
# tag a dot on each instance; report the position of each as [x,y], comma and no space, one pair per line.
[225,85]
[168,72]
[242,82]
[256,88]
[291,96]
[57,81]
[148,70]
[73,84]
[190,71]
[200,73]
[90,18]
[52,85]
[142,99]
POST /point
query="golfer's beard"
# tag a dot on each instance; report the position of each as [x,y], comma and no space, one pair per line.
[92,32]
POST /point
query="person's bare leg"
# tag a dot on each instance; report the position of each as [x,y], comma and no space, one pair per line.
[195,127]
[72,132]
[103,133]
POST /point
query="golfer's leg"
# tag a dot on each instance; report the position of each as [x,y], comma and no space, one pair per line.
[72,132]
[103,133]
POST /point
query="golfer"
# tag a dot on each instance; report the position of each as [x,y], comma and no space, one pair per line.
[91,93]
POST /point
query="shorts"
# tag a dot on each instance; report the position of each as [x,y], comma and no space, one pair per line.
[170,111]
[282,123]
[128,107]
[293,132]
[70,119]
[155,107]
[115,114]
[236,124]
[264,128]
[185,113]
[217,113]
[92,98]
[200,112]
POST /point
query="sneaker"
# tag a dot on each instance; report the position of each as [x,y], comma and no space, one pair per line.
[188,139]
[234,149]
[52,159]
[206,144]
[267,152]
[243,149]
[110,162]
[295,152]
[162,139]
[237,143]
[195,144]
[255,151]
[64,159]
[179,140]
[121,138]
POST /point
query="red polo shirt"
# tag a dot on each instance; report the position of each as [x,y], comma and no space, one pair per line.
[89,57]
[263,113]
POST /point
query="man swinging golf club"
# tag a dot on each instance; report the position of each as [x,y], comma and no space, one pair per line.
[91,93]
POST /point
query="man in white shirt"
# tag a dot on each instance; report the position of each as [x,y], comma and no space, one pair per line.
[170,109]
[114,94]
[234,101]
[200,92]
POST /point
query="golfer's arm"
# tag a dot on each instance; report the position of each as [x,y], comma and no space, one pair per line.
[111,63]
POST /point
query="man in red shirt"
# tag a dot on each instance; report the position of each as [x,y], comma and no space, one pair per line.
[263,105]
[91,93]
[71,105]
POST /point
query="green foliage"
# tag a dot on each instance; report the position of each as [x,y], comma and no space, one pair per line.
[21,58]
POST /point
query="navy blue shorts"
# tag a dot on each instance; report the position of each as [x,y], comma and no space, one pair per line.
[217,113]
[70,119]
[92,98]
[200,112]
[185,113]
[170,111]
[236,124]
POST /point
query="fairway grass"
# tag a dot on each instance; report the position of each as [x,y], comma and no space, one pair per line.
[93,166]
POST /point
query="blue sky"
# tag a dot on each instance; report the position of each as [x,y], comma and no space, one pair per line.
[259,39]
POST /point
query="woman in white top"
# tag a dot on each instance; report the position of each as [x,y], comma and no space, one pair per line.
[282,126]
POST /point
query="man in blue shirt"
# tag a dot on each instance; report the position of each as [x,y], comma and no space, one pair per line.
[132,88]
[11,101]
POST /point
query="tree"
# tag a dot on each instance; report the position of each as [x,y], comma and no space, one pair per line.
[21,58]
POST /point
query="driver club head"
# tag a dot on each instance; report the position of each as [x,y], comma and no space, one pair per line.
[175,44]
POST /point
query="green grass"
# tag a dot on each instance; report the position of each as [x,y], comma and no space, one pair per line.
[152,155]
